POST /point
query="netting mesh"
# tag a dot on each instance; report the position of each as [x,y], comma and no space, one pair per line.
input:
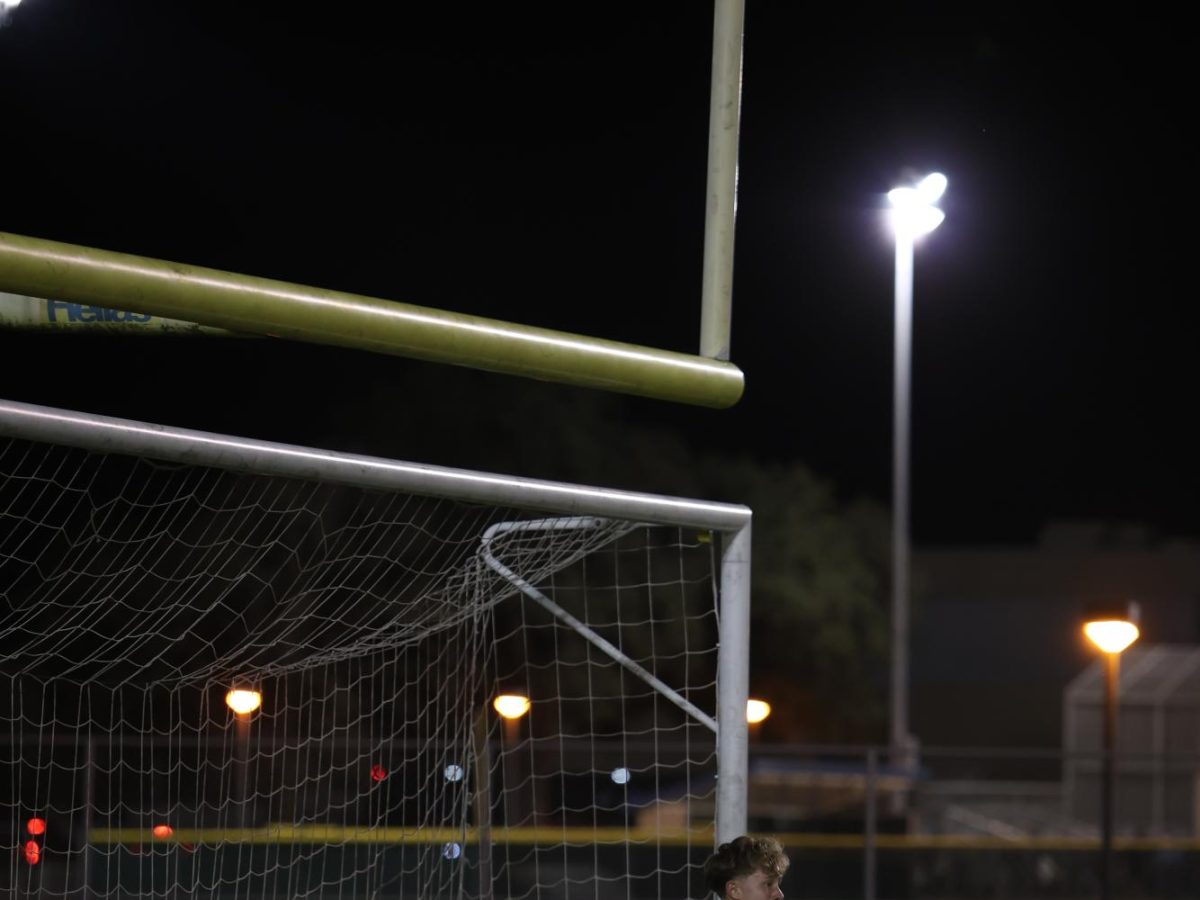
[377,628]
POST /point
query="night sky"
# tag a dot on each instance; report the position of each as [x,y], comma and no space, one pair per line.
[546,164]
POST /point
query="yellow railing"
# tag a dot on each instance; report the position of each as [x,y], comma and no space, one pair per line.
[582,836]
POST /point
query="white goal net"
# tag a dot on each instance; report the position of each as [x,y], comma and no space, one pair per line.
[375,628]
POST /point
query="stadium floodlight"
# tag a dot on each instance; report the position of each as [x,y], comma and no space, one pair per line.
[913,209]
[9,4]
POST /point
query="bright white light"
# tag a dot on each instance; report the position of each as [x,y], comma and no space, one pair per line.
[1111,635]
[913,213]
[453,772]
[620,776]
[243,701]
[932,187]
[9,4]
[452,850]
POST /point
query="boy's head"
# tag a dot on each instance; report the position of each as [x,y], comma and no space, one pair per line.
[746,868]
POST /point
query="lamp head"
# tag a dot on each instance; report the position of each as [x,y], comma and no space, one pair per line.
[757,711]
[243,700]
[913,212]
[1112,627]
[511,706]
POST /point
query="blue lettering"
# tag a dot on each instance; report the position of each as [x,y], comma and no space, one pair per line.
[76,312]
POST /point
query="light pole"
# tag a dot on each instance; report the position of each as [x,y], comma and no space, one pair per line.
[243,702]
[912,214]
[512,708]
[1112,628]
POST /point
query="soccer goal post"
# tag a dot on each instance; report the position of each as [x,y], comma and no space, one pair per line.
[457,684]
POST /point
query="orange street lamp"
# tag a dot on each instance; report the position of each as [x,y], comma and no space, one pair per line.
[757,711]
[1111,635]
[511,706]
[1112,628]
[243,701]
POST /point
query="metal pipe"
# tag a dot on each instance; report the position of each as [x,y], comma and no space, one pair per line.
[110,435]
[725,100]
[733,687]
[581,628]
[244,303]
[1112,674]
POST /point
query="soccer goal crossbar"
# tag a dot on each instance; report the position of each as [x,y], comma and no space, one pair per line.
[376,628]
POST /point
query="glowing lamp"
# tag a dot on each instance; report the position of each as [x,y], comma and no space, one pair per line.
[162,831]
[36,826]
[913,210]
[511,706]
[757,711]
[1112,627]
[33,853]
[1111,635]
[243,701]
[378,772]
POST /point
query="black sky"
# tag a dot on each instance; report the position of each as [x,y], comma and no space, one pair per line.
[545,164]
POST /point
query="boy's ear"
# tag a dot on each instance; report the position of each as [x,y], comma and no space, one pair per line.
[733,890]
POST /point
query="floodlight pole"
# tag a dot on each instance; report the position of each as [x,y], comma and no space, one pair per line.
[913,214]
[900,487]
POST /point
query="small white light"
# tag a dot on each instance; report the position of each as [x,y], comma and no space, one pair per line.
[9,4]
[453,772]
[452,850]
[620,775]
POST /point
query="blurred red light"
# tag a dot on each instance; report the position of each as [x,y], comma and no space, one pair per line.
[162,831]
[36,826]
[33,853]
[378,772]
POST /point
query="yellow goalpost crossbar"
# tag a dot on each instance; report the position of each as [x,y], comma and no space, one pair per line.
[246,304]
